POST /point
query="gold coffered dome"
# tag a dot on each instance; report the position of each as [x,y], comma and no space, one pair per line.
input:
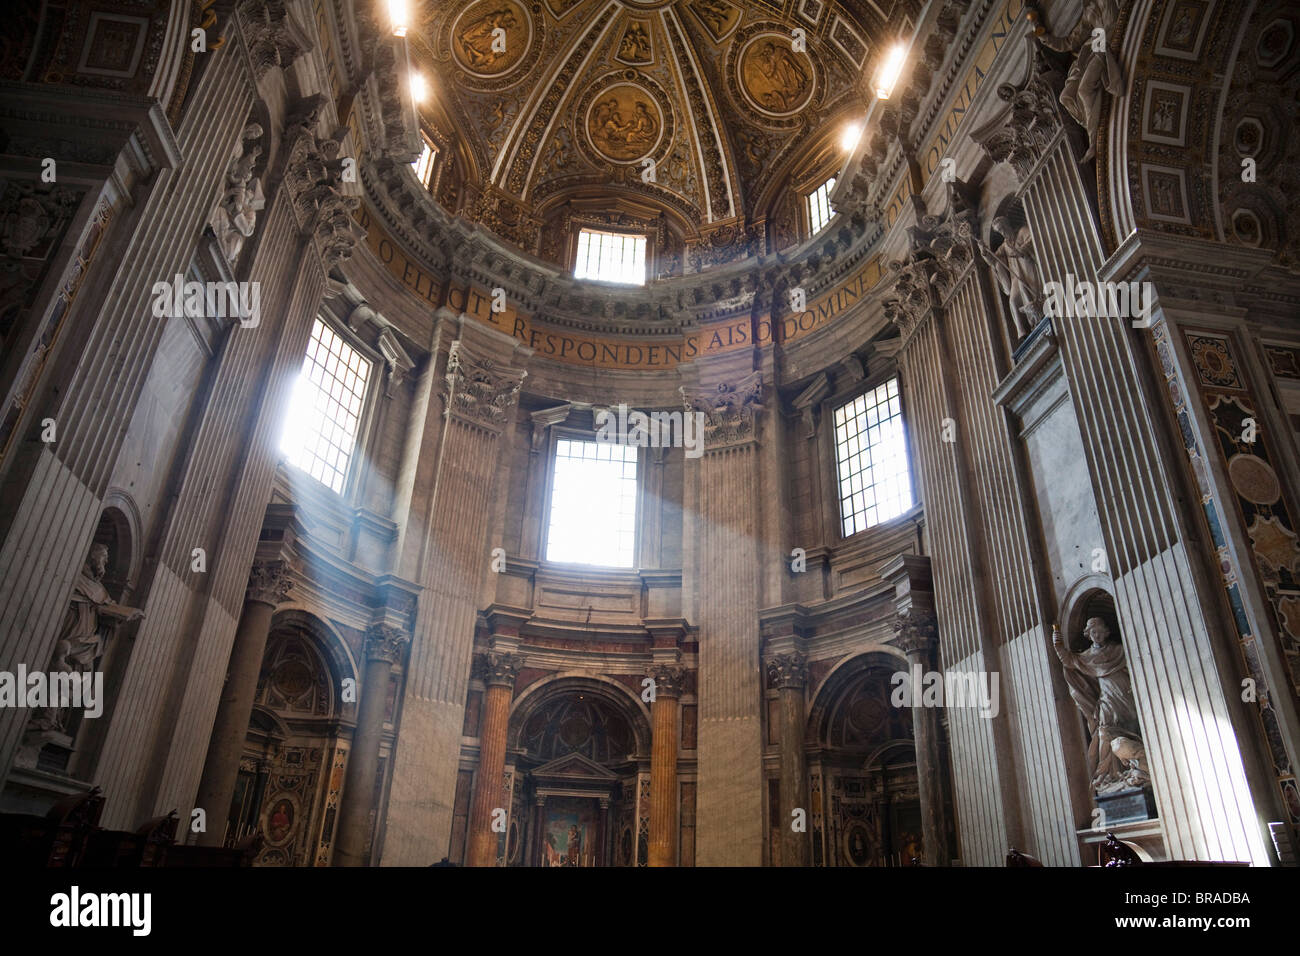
[697,123]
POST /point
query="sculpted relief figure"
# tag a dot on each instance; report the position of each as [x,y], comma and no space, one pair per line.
[1094,71]
[1099,684]
[90,620]
[777,79]
[1016,270]
[477,40]
[235,217]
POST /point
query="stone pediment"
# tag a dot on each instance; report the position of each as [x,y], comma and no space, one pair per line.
[573,768]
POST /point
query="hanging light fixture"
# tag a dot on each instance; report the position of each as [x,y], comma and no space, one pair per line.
[890,70]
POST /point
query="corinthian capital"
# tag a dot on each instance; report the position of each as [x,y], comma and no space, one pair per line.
[269,582]
[385,642]
[731,410]
[273,38]
[668,679]
[915,631]
[479,389]
[501,669]
[788,671]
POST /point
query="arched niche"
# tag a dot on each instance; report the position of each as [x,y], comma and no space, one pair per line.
[862,767]
[579,764]
[296,747]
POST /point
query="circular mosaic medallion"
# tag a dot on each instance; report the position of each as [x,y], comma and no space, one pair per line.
[490,37]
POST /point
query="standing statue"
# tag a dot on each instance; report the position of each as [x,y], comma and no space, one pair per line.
[234,218]
[1095,69]
[1100,687]
[1017,273]
[91,618]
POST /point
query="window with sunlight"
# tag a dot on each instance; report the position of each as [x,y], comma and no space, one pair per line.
[610,257]
[819,207]
[593,504]
[320,430]
[424,165]
[871,452]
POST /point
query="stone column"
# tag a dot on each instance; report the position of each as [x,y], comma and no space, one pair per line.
[789,674]
[918,637]
[665,732]
[726,581]
[268,586]
[482,384]
[499,674]
[384,646]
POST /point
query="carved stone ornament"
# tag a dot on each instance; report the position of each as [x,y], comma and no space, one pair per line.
[730,411]
[314,177]
[269,582]
[916,631]
[668,679]
[786,671]
[1020,134]
[272,37]
[479,390]
[385,642]
[499,669]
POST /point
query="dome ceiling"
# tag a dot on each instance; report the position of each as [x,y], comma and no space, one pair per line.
[691,118]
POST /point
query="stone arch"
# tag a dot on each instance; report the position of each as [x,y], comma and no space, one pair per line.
[543,692]
[836,680]
[334,653]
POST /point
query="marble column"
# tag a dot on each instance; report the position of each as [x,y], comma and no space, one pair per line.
[499,672]
[789,675]
[384,646]
[268,586]
[918,637]
[665,732]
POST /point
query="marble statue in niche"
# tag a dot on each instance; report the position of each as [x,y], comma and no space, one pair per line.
[235,217]
[1094,72]
[1016,271]
[1099,684]
[92,618]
